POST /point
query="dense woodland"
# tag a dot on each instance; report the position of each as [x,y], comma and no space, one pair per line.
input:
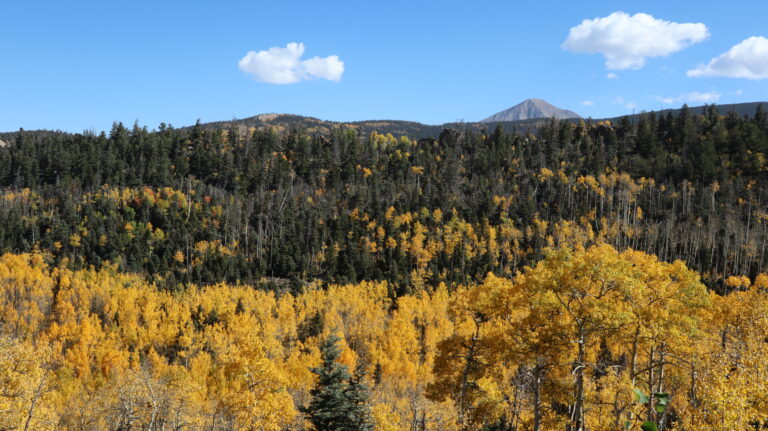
[580,276]
[562,346]
[258,207]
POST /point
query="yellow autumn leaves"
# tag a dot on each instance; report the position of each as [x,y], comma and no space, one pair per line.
[563,342]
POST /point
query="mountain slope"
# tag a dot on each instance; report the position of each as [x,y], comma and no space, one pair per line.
[287,122]
[741,109]
[531,109]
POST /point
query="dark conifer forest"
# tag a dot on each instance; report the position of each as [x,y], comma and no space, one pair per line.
[280,209]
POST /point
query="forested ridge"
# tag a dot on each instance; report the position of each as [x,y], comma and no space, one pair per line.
[231,205]
[579,276]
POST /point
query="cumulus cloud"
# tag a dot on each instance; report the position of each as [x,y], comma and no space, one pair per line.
[612,75]
[694,97]
[284,65]
[588,103]
[626,41]
[748,59]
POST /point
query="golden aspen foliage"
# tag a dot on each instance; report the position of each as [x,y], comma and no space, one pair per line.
[28,397]
[578,332]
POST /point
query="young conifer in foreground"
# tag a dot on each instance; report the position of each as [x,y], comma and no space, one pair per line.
[340,400]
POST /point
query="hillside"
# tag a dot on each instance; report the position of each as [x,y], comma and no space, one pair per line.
[282,123]
[282,206]
[287,122]
[741,110]
[184,277]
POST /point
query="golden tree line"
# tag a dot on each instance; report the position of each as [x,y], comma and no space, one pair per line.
[565,344]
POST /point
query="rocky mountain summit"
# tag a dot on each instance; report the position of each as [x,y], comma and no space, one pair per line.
[531,109]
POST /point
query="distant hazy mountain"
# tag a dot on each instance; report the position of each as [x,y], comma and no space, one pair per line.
[531,109]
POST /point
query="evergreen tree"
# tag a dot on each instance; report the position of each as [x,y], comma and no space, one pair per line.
[339,401]
[357,396]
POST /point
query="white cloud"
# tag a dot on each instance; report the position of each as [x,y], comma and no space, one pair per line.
[694,97]
[626,41]
[697,97]
[738,92]
[588,103]
[747,59]
[612,75]
[284,65]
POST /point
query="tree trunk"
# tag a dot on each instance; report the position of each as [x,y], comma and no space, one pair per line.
[468,364]
[577,415]
[537,371]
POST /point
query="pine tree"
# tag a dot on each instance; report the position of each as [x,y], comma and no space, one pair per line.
[339,401]
[329,409]
[357,397]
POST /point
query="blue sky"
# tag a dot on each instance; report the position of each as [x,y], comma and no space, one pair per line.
[84,64]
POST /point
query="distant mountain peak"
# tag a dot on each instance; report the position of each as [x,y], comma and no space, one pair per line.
[530,109]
